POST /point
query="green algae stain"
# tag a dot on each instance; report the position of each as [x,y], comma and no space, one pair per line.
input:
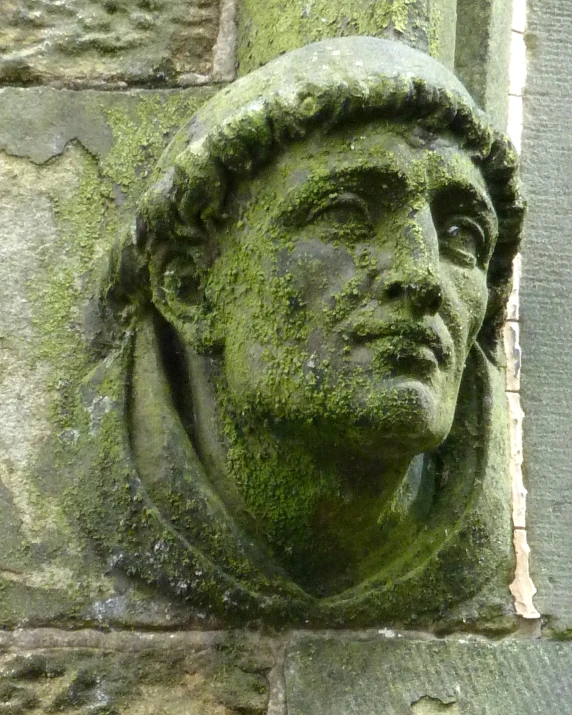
[88,217]
[269,29]
[140,136]
[434,39]
[79,216]
[92,197]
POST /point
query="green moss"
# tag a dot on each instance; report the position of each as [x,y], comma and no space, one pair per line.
[91,197]
[166,525]
[88,219]
[140,136]
[294,490]
[271,28]
[433,34]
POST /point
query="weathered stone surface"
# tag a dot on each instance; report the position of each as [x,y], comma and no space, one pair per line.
[211,476]
[399,676]
[129,42]
[483,52]
[71,165]
[72,170]
[471,36]
[546,304]
[99,456]
[274,27]
[137,674]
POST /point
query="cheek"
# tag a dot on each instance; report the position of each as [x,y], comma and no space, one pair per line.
[318,272]
[468,303]
[478,297]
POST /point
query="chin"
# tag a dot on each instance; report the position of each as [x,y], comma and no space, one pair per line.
[407,413]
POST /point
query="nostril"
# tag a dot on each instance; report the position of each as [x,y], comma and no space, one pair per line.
[427,297]
[436,300]
[394,290]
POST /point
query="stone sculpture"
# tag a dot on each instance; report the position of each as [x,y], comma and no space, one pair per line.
[299,413]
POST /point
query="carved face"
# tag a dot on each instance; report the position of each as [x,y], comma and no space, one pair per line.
[351,284]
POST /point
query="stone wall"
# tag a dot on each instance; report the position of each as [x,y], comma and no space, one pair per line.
[91,94]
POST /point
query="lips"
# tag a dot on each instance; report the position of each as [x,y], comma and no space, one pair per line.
[410,338]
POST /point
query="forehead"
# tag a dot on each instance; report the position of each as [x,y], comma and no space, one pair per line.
[417,159]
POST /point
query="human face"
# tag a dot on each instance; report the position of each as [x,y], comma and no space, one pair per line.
[352,283]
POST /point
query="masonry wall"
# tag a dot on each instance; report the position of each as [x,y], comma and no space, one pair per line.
[91,92]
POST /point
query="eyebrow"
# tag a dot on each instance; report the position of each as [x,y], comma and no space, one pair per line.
[319,185]
[476,189]
[322,184]
[475,194]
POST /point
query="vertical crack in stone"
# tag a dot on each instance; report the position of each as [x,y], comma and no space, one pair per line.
[277,681]
[522,588]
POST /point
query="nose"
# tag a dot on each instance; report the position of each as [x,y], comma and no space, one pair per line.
[414,276]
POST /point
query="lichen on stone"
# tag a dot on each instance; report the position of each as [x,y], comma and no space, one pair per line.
[147,499]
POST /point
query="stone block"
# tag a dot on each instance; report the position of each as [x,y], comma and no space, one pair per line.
[269,29]
[117,42]
[482,53]
[70,166]
[546,302]
[135,674]
[397,675]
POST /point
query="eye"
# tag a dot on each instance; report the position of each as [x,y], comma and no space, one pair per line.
[461,240]
[343,217]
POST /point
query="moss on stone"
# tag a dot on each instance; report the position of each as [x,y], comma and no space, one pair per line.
[88,219]
[92,195]
[269,29]
[229,676]
[167,523]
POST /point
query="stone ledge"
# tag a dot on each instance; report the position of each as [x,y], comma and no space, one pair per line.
[373,672]
[88,672]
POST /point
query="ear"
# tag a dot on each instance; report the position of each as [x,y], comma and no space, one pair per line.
[178,278]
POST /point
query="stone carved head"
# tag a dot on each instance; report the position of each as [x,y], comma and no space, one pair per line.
[308,418]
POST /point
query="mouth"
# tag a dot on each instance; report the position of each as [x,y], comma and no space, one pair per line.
[409,341]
